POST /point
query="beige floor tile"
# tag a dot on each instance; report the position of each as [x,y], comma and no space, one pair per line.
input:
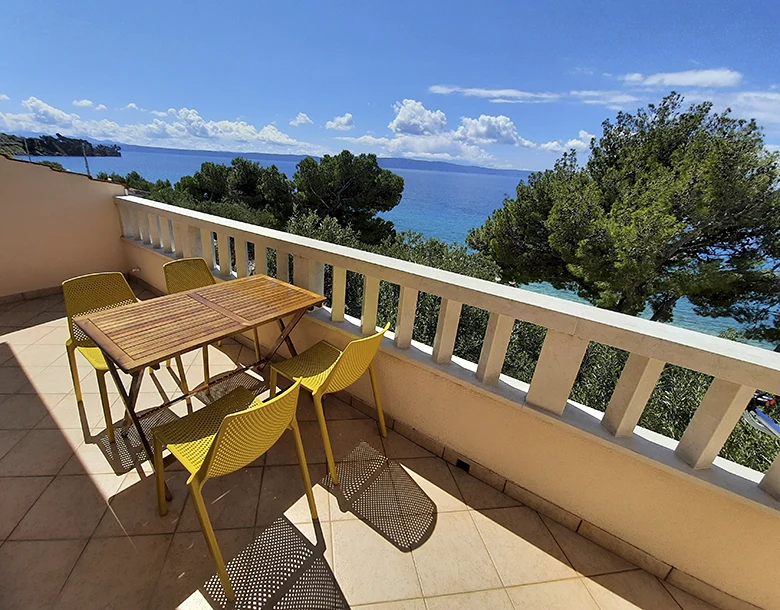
[454,559]
[40,453]
[686,600]
[477,494]
[345,435]
[320,536]
[282,493]
[40,354]
[496,599]
[334,409]
[435,479]
[59,334]
[629,591]
[14,378]
[21,411]
[32,572]
[115,573]
[231,501]
[521,546]
[53,380]
[17,495]
[405,604]
[8,439]
[188,565]
[70,507]
[397,447]
[585,556]
[283,452]
[67,414]
[18,315]
[558,595]
[22,336]
[370,569]
[133,509]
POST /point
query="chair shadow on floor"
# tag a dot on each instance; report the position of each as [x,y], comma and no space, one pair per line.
[384,496]
[281,569]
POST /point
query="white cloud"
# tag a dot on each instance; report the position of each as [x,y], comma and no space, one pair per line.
[581,143]
[131,106]
[160,113]
[100,107]
[4,97]
[764,106]
[184,128]
[491,130]
[719,77]
[83,103]
[614,100]
[411,117]
[510,96]
[341,123]
[301,119]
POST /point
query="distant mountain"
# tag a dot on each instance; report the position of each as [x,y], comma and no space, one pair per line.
[386,162]
[59,146]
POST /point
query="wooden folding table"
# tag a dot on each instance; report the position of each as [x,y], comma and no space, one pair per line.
[136,336]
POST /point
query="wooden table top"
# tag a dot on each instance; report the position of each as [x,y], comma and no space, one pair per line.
[142,334]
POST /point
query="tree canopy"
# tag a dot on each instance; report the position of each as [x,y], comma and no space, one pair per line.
[672,203]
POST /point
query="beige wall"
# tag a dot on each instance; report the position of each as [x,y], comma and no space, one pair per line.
[53,226]
[707,532]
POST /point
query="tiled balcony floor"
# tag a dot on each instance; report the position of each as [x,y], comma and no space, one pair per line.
[79,526]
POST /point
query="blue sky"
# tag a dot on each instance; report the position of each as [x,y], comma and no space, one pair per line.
[497,84]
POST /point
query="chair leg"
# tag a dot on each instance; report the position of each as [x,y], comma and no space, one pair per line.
[211,539]
[304,466]
[183,377]
[272,383]
[379,412]
[101,379]
[326,439]
[74,371]
[159,473]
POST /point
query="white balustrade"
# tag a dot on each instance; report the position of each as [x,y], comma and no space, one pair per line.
[282,265]
[339,294]
[404,326]
[370,305]
[242,257]
[491,359]
[223,247]
[556,371]
[636,384]
[446,331]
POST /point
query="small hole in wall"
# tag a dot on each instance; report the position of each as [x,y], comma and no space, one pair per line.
[463,465]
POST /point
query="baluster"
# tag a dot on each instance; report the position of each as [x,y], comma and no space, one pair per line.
[124,220]
[446,331]
[261,258]
[339,294]
[242,258]
[165,234]
[556,371]
[143,222]
[191,241]
[714,420]
[135,227]
[770,483]
[491,358]
[309,274]
[154,230]
[404,326]
[636,384]
[282,265]
[223,247]
[178,239]
[370,305]
[207,247]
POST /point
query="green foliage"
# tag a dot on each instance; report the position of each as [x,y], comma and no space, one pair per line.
[60,146]
[53,165]
[351,189]
[670,204]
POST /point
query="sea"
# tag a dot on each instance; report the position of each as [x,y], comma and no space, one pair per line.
[436,203]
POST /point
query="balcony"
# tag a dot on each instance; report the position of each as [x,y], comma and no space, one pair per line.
[526,498]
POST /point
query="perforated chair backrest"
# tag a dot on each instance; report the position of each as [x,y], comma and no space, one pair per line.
[187,274]
[246,435]
[94,292]
[353,362]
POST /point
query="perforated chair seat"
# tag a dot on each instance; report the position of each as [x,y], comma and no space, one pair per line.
[312,367]
[191,437]
[95,357]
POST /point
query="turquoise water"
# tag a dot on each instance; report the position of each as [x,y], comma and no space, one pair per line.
[436,203]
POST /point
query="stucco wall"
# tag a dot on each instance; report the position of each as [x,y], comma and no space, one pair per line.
[712,534]
[53,226]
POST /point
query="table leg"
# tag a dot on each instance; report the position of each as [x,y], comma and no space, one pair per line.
[287,340]
[130,401]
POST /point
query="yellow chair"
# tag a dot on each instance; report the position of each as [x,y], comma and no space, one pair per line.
[325,369]
[187,274]
[83,295]
[223,437]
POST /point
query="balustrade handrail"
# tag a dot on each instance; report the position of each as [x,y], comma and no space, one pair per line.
[722,358]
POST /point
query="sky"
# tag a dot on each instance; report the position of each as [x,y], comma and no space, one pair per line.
[496,84]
